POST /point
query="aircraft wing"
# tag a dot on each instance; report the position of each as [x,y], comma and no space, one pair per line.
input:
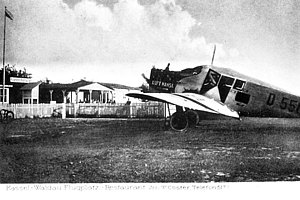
[189,100]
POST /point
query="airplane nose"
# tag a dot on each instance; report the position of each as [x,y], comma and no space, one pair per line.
[163,80]
[173,81]
[179,88]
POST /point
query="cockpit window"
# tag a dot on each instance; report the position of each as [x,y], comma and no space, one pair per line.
[212,78]
[191,71]
[211,81]
[239,84]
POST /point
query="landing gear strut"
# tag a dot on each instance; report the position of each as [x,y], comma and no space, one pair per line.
[181,119]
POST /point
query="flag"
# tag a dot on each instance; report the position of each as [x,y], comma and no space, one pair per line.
[8,14]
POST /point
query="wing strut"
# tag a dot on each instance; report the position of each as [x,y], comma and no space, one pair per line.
[167,115]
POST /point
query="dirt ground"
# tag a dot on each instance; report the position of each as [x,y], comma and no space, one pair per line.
[141,150]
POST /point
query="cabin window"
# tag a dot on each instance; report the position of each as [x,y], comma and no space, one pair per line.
[224,86]
[239,84]
[226,81]
[242,97]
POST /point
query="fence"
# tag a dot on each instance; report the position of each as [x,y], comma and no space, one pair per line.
[34,110]
[139,110]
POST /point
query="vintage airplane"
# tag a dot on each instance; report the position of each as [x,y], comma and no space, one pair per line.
[220,91]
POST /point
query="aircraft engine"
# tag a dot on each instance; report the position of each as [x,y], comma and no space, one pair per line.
[179,121]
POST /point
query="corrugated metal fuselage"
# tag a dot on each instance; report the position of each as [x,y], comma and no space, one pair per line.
[243,94]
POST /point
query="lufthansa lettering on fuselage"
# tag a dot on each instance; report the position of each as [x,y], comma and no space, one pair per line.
[163,84]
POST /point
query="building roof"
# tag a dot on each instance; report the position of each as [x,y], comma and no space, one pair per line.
[66,86]
[81,85]
[55,86]
[30,86]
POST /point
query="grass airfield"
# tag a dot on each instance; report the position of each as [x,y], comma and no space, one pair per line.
[142,151]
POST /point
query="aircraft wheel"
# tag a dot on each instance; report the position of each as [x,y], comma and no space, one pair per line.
[193,117]
[9,116]
[179,121]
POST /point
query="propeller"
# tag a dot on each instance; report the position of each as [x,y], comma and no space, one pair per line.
[212,60]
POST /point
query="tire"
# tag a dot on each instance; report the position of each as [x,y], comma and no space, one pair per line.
[10,116]
[179,121]
[193,117]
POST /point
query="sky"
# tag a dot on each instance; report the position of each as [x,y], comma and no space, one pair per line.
[116,41]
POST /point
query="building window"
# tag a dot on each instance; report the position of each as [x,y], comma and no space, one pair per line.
[5,95]
[27,101]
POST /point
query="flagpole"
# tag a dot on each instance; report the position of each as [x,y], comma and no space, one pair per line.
[3,82]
